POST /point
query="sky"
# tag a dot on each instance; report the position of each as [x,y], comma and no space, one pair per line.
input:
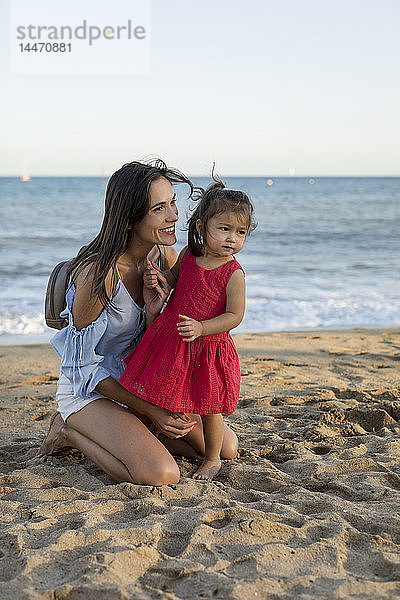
[261,87]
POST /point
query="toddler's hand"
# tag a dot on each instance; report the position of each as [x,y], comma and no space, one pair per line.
[189,329]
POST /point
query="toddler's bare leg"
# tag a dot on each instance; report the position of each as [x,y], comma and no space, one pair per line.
[213,435]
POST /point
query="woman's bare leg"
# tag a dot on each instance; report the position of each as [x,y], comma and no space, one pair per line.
[98,455]
[120,444]
[213,427]
[61,436]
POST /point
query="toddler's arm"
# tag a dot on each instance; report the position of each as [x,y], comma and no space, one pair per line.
[190,329]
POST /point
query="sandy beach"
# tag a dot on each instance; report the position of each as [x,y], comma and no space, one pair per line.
[309,509]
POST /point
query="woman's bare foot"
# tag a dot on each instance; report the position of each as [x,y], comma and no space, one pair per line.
[208,470]
[56,439]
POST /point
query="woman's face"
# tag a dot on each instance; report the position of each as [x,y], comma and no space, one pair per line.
[158,226]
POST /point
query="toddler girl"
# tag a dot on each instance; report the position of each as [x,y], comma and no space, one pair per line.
[187,361]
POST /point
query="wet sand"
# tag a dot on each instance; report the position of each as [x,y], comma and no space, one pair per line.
[309,509]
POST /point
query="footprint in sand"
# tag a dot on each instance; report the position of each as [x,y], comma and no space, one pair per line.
[174,543]
[371,419]
[12,563]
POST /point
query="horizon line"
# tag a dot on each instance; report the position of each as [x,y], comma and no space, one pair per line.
[264,176]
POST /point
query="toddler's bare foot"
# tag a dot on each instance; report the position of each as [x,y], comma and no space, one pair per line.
[208,470]
[55,442]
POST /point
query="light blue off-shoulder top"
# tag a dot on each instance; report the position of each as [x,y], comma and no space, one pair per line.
[97,351]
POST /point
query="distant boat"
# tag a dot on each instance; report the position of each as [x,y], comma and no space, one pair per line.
[25,178]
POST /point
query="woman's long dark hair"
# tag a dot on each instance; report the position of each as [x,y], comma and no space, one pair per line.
[126,204]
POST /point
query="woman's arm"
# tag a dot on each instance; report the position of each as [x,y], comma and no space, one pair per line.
[171,424]
[85,310]
[155,294]
[157,286]
[190,329]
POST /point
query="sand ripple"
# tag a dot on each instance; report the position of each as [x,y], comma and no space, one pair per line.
[309,509]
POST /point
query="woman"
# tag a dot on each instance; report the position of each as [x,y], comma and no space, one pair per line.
[108,311]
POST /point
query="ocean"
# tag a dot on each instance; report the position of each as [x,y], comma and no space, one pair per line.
[325,254]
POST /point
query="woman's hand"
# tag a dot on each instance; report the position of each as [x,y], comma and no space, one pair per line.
[155,289]
[169,423]
[189,329]
[150,279]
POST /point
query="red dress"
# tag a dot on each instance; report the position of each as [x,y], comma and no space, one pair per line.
[202,376]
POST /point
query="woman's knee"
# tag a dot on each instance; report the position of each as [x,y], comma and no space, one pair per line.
[162,472]
[229,445]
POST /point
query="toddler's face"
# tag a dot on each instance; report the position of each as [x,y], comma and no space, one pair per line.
[226,233]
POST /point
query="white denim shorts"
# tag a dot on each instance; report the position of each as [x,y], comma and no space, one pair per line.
[67,403]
